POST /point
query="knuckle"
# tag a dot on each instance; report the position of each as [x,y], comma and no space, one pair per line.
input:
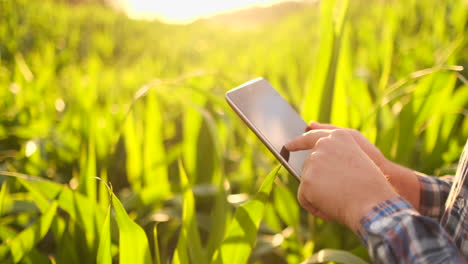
[306,179]
[312,157]
[301,198]
[353,131]
[340,133]
[337,132]
[320,142]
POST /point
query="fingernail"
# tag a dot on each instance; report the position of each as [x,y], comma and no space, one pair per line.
[313,122]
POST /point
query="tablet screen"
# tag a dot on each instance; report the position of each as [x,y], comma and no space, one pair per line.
[272,119]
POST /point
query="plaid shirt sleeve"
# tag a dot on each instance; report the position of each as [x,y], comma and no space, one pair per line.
[434,193]
[394,232]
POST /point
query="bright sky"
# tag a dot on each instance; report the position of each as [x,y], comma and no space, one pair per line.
[185,11]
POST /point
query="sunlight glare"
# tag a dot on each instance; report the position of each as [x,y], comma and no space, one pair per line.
[186,11]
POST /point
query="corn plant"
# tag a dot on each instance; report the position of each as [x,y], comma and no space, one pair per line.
[116,145]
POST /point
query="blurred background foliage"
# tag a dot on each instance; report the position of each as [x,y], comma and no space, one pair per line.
[89,93]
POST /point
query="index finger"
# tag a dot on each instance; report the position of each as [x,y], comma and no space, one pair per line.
[307,140]
[316,125]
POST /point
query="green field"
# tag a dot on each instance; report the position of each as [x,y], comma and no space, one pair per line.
[116,144]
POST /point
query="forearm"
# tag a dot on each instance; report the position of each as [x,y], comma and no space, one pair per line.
[427,194]
[405,181]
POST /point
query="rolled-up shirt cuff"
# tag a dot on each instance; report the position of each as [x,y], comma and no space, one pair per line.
[433,195]
[374,221]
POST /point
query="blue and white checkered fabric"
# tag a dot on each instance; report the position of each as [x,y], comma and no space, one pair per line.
[395,232]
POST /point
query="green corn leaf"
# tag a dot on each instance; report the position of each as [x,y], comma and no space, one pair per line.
[104,255]
[406,136]
[133,146]
[241,235]
[286,205]
[219,217]
[80,208]
[329,85]
[220,213]
[189,244]
[41,200]
[340,256]
[24,242]
[192,124]
[387,48]
[85,211]
[35,257]
[6,233]
[157,255]
[4,250]
[271,218]
[154,157]
[43,192]
[318,101]
[103,190]
[181,254]
[67,242]
[314,95]
[3,195]
[343,95]
[88,169]
[134,247]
